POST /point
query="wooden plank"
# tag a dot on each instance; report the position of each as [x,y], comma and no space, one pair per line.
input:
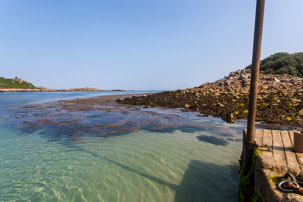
[291,135]
[267,138]
[278,152]
[259,137]
[244,139]
[298,155]
[291,159]
[267,156]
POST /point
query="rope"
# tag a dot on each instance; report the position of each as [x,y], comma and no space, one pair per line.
[290,186]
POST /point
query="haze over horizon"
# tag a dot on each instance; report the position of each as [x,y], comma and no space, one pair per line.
[139,45]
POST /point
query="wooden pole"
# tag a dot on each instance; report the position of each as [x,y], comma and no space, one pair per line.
[254,75]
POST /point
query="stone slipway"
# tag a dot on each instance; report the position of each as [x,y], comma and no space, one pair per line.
[274,158]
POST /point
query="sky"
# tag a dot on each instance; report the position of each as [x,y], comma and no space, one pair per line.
[139,44]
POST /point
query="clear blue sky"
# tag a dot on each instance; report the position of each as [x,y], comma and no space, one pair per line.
[138,44]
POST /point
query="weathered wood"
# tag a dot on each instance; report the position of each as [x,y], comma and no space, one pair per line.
[259,137]
[291,135]
[267,138]
[277,154]
[244,140]
[298,155]
[278,151]
[291,159]
[275,158]
[267,155]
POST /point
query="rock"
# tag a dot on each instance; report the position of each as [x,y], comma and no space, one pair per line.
[295,102]
[231,92]
[227,83]
[264,86]
[220,105]
[276,80]
[186,106]
[230,118]
[245,82]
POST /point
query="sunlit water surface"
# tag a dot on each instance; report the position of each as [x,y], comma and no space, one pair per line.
[175,164]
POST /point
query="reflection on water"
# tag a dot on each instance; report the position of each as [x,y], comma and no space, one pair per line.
[96,150]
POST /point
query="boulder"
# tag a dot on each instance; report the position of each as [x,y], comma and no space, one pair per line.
[186,106]
[230,118]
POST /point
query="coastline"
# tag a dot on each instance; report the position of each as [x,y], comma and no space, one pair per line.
[4,90]
[280,99]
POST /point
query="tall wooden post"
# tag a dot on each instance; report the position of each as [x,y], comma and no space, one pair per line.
[254,78]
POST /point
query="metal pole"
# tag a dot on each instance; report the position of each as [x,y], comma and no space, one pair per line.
[254,80]
[255,70]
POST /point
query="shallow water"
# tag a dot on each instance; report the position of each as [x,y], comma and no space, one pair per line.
[158,162]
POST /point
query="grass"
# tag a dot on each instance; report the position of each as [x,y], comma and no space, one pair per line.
[278,179]
[15,83]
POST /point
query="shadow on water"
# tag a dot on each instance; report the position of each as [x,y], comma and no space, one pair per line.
[212,140]
[208,182]
[201,182]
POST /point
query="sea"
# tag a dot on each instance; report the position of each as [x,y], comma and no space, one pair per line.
[168,155]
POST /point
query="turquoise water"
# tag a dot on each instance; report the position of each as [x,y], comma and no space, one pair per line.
[157,162]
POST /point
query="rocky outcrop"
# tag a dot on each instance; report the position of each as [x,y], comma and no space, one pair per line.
[280,98]
[80,89]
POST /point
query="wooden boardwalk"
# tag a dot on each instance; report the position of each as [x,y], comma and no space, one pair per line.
[277,153]
[275,158]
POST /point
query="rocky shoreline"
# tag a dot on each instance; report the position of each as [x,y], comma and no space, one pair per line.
[280,99]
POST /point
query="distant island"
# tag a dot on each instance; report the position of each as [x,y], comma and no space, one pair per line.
[20,85]
[17,83]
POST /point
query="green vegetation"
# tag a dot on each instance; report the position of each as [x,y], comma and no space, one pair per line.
[283,63]
[246,183]
[278,179]
[255,197]
[15,83]
[288,118]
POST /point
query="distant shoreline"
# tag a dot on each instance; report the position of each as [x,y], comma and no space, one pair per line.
[4,90]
